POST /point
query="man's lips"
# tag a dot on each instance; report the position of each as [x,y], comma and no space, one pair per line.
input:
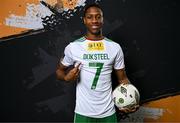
[95,27]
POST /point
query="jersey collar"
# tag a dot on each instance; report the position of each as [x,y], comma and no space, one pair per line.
[94,39]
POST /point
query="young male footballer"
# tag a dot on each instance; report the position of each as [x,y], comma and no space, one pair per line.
[94,57]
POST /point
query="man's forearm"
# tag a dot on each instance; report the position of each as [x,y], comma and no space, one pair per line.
[124,81]
[122,77]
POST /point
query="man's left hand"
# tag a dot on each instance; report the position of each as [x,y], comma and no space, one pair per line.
[129,110]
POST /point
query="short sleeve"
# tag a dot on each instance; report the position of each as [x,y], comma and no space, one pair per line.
[68,58]
[119,59]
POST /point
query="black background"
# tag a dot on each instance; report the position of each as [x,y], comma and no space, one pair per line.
[145,29]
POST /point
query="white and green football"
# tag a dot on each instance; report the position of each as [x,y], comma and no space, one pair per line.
[126,96]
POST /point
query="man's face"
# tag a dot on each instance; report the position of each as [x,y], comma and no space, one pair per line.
[93,20]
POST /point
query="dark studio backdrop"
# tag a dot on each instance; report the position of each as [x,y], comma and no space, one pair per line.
[145,29]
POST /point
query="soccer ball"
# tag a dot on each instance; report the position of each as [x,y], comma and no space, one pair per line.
[126,96]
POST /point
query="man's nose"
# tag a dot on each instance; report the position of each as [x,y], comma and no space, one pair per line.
[94,19]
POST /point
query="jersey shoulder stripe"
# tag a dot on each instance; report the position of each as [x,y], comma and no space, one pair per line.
[109,40]
[82,39]
[115,44]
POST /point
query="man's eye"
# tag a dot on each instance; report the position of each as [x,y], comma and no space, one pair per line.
[98,17]
[89,17]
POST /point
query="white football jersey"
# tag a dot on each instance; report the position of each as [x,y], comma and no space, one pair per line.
[94,89]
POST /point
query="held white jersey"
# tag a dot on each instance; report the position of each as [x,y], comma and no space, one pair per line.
[97,58]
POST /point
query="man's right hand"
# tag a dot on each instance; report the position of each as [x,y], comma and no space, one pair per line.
[73,74]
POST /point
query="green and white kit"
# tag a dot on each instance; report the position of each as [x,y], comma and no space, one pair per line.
[94,89]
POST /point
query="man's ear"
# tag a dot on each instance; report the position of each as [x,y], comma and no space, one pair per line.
[84,21]
[103,20]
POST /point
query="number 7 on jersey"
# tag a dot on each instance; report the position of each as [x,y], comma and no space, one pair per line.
[99,67]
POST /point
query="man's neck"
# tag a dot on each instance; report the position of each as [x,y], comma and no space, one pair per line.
[94,37]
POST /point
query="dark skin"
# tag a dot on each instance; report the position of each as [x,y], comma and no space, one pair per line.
[93,21]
